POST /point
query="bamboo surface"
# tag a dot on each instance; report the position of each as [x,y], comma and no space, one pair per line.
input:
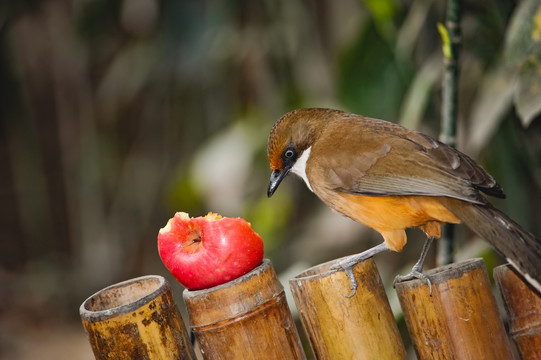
[523,306]
[460,320]
[136,319]
[247,318]
[338,327]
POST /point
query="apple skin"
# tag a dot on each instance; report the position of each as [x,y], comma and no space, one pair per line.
[203,252]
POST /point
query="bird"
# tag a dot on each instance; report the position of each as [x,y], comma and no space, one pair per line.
[390,178]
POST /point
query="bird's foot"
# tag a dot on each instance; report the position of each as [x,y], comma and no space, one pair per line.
[347,266]
[348,263]
[414,274]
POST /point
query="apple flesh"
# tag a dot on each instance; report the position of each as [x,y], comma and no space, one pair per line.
[203,252]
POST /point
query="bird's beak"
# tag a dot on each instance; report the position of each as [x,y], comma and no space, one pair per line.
[275,179]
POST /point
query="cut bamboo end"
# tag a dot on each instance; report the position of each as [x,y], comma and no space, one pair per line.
[338,327]
[523,306]
[460,320]
[247,318]
[136,319]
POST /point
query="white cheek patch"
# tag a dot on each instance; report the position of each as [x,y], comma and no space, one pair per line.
[300,167]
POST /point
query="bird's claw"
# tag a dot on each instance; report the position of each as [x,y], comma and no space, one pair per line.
[414,274]
[348,269]
[348,263]
[352,281]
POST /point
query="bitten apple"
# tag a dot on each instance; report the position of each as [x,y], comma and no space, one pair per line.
[203,252]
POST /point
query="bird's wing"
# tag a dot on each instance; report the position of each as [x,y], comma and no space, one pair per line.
[391,160]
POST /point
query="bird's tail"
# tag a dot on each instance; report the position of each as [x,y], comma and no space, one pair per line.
[521,249]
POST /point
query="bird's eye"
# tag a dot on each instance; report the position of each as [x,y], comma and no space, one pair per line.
[289,153]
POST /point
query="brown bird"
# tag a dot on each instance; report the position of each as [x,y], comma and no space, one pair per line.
[390,178]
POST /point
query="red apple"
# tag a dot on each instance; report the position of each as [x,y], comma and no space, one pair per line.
[207,251]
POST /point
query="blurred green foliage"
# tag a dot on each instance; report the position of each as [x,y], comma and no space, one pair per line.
[116,114]
[370,70]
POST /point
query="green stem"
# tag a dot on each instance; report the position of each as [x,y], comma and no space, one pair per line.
[450,109]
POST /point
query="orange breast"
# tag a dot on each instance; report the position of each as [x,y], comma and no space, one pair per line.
[390,215]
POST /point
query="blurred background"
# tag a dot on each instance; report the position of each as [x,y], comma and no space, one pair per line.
[116,114]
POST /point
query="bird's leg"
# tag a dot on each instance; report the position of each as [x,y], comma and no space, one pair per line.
[417,270]
[348,263]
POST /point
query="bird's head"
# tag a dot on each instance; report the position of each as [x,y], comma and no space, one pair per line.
[290,136]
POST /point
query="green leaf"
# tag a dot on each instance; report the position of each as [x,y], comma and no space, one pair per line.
[382,10]
[524,33]
[446,46]
[371,81]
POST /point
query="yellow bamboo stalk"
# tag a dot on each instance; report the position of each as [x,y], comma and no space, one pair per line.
[136,319]
[338,327]
[247,318]
[460,320]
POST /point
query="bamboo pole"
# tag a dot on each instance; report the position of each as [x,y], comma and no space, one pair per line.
[523,305]
[460,320]
[451,50]
[247,318]
[136,319]
[338,327]
[449,110]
